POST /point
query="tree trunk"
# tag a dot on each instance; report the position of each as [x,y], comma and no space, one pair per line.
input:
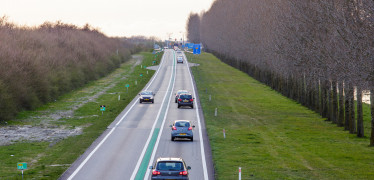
[352,122]
[334,112]
[324,90]
[341,105]
[360,120]
[346,99]
[316,97]
[329,105]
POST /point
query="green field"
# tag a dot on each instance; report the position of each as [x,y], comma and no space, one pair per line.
[48,160]
[270,136]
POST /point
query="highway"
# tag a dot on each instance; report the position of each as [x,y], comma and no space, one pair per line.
[141,133]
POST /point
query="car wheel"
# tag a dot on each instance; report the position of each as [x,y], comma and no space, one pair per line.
[192,106]
[179,106]
[176,101]
[172,138]
[140,101]
[192,139]
[153,101]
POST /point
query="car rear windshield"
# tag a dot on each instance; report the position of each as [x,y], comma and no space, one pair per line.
[170,166]
[146,93]
[182,124]
[186,97]
[180,92]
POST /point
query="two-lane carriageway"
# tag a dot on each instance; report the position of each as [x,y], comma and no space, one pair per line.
[141,133]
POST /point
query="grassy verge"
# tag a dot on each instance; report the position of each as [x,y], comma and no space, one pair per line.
[270,136]
[49,160]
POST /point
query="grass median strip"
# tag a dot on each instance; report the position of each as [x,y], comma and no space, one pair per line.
[48,160]
[270,136]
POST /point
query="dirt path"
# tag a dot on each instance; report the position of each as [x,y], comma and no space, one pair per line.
[46,130]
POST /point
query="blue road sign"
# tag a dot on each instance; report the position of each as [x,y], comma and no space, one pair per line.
[197,49]
[190,45]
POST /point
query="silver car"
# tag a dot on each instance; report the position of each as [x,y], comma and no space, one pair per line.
[146,96]
[180,59]
[181,129]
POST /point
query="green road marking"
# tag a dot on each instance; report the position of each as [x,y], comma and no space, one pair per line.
[144,165]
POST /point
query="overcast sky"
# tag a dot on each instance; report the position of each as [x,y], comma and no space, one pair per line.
[112,17]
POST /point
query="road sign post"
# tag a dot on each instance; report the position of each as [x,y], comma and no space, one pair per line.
[102,109]
[22,166]
[127,87]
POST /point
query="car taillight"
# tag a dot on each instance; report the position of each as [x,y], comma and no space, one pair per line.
[190,128]
[179,99]
[191,100]
[154,172]
[174,128]
[184,173]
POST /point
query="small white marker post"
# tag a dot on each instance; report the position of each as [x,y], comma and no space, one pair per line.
[240,173]
[210,97]
[141,66]
[224,134]
[147,72]
[119,97]
[215,112]
[136,82]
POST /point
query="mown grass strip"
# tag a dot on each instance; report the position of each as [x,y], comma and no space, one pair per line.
[270,136]
[49,160]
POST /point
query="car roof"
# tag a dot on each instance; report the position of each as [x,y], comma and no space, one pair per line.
[186,94]
[182,121]
[169,159]
[147,91]
[182,91]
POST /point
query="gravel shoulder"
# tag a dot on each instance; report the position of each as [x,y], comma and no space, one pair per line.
[44,126]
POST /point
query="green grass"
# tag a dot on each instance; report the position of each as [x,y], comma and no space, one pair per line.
[270,136]
[49,160]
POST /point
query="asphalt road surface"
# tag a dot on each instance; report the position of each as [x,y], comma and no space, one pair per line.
[141,133]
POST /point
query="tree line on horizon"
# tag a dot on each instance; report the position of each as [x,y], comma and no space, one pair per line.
[319,53]
[39,64]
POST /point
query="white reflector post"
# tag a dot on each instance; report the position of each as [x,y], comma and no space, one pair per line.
[240,173]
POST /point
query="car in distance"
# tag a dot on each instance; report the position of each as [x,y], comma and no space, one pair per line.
[146,96]
[185,100]
[180,59]
[178,93]
[181,129]
[169,168]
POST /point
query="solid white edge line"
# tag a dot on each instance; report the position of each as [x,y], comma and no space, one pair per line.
[110,132]
[162,127]
[200,131]
[149,138]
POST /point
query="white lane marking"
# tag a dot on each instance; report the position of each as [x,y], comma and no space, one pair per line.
[149,137]
[110,132]
[162,126]
[200,131]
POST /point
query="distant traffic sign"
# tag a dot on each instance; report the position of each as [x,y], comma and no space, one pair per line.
[127,85]
[102,107]
[21,166]
[196,49]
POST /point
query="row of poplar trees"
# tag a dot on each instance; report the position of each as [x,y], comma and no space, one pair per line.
[319,53]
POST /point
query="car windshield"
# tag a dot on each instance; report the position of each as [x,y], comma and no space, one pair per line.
[182,124]
[170,166]
[146,93]
[186,97]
